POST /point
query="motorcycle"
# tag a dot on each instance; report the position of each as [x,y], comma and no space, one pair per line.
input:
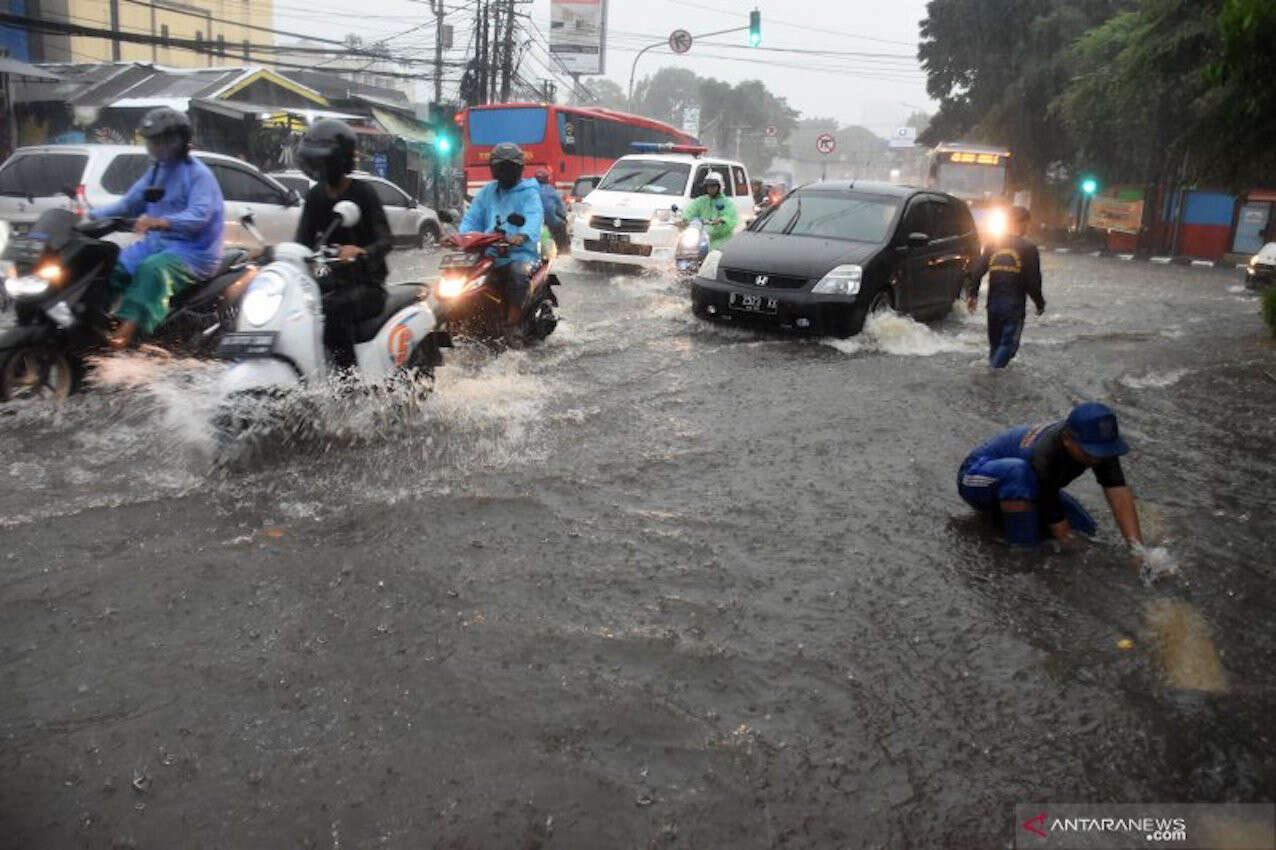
[470,293]
[58,276]
[277,343]
[693,247]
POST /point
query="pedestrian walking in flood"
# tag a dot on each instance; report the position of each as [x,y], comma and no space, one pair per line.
[1013,267]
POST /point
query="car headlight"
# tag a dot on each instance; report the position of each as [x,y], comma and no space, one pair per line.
[583,210]
[1253,261]
[709,268]
[26,286]
[996,223]
[843,280]
[662,216]
[264,297]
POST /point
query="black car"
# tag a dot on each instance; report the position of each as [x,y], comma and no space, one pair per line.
[832,252]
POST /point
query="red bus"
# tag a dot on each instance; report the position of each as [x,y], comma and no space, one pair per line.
[570,141]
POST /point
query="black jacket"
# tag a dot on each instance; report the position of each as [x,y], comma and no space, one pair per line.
[1014,273]
[372,233]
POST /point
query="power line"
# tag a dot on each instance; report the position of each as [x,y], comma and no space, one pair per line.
[807,27]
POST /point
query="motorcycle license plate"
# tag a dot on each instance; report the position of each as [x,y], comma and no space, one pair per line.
[752,303]
[612,240]
[247,344]
[456,261]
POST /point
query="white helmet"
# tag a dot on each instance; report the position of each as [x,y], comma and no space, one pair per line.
[714,177]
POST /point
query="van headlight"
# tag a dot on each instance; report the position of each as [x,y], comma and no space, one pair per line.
[662,216]
[264,298]
[843,280]
[690,238]
[709,268]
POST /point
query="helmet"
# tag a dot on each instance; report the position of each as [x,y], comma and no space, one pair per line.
[326,151]
[543,175]
[507,164]
[713,177]
[167,133]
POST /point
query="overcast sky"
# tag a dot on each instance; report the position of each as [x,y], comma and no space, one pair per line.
[878,90]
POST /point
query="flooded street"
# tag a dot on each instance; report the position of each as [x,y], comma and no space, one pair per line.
[656,583]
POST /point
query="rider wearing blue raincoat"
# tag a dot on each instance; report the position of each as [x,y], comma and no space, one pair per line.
[509,193]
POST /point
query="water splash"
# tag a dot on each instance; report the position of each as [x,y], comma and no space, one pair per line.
[1155,380]
[902,336]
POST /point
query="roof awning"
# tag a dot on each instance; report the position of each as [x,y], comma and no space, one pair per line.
[409,131]
[275,116]
[22,69]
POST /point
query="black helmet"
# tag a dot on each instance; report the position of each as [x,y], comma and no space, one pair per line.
[326,151]
[507,164]
[167,133]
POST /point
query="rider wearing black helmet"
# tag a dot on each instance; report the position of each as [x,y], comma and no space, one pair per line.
[179,210]
[509,193]
[355,291]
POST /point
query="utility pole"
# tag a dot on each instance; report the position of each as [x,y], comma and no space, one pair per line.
[115,30]
[438,55]
[494,49]
[507,68]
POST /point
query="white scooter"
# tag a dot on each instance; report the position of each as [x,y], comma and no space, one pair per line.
[278,339]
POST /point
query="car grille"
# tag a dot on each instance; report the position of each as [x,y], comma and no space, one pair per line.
[628,248]
[774,281]
[627,225]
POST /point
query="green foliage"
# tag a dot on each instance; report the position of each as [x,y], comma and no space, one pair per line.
[1269,308]
[602,92]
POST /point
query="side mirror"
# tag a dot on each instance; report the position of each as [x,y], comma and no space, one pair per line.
[291,198]
[673,208]
[69,191]
[447,217]
[918,240]
[411,203]
[349,213]
[246,216]
[517,219]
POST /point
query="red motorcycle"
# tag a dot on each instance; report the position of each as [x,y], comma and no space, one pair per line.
[470,293]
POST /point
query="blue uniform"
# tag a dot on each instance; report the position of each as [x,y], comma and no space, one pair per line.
[194,208]
[552,204]
[1030,464]
[493,203]
[1014,270]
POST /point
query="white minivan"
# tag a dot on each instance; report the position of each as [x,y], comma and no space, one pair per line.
[630,218]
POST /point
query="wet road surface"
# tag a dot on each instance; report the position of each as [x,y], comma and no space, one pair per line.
[654,584]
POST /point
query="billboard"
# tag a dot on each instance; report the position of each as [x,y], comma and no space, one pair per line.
[578,34]
[1112,214]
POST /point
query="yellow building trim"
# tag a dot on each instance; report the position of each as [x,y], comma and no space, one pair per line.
[279,80]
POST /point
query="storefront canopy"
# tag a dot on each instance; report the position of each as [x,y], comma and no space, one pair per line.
[409,131]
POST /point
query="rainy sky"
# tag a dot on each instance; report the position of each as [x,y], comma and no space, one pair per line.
[868,73]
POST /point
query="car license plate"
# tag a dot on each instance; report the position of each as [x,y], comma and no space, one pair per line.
[753,303]
[247,344]
[613,240]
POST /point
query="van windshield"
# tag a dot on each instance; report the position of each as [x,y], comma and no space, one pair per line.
[651,176]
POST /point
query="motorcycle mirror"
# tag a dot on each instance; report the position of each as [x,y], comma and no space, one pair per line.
[153,194]
[673,208]
[349,213]
[517,219]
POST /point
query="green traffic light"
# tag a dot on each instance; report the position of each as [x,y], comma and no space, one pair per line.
[755,28]
[443,144]
[1089,186]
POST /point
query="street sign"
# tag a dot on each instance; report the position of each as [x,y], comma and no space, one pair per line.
[680,41]
[772,130]
[771,143]
[905,137]
[691,120]
[825,143]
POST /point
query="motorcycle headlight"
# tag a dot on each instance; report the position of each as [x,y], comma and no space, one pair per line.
[450,287]
[709,268]
[843,280]
[690,238]
[264,297]
[26,286]
[662,216]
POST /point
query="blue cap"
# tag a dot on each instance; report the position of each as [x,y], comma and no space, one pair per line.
[1094,427]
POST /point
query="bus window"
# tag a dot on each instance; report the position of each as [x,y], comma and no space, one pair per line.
[522,126]
[567,124]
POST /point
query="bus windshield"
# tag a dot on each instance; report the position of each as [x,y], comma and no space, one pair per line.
[972,181]
[522,126]
[653,176]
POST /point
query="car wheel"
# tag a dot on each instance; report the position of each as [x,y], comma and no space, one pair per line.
[36,373]
[428,235]
[883,301]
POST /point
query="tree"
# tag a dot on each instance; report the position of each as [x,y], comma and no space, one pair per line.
[601,92]
[1245,74]
[919,121]
[666,94]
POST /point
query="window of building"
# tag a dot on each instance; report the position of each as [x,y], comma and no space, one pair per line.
[246,49]
[164,34]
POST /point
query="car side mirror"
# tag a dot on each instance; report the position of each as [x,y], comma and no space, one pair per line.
[918,240]
[291,198]
[411,203]
[349,213]
[69,191]
[246,216]
[446,217]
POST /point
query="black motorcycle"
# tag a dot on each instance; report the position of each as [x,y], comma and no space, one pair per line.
[58,275]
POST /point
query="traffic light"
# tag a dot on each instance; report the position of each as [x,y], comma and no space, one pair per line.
[442,143]
[1089,185]
[755,28]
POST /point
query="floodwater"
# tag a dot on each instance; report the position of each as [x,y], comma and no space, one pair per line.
[656,583]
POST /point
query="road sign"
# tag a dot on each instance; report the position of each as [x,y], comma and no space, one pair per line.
[771,143]
[680,41]
[772,130]
[825,143]
[905,137]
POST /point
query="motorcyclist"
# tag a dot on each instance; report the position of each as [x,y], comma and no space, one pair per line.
[509,193]
[554,208]
[355,289]
[716,211]
[180,214]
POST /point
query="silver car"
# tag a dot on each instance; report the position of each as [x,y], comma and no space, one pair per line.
[38,178]
[412,224]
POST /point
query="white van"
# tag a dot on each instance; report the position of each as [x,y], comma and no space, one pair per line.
[629,219]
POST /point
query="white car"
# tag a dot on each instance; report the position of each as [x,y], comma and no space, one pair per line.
[412,224]
[630,218]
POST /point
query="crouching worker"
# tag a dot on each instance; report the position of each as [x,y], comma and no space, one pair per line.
[1019,475]
[180,213]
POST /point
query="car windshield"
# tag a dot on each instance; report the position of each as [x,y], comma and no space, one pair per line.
[647,175]
[832,215]
[42,175]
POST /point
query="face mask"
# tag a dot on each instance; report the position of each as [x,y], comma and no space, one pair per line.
[507,174]
[165,148]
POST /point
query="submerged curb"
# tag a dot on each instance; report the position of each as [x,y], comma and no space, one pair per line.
[1162,260]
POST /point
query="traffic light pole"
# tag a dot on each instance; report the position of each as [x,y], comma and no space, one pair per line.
[634,68]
